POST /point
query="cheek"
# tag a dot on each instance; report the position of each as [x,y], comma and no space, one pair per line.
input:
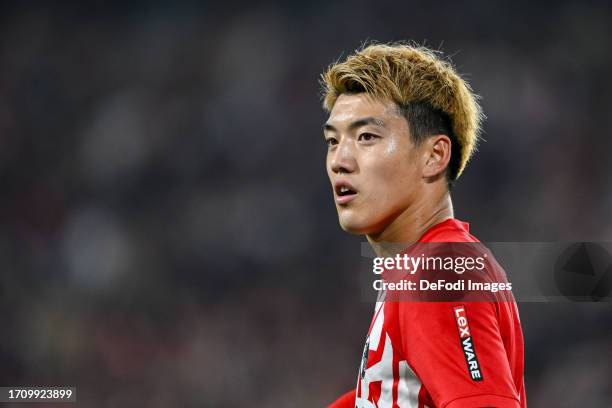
[391,175]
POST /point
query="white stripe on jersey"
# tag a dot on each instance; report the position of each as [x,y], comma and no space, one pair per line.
[381,372]
[408,387]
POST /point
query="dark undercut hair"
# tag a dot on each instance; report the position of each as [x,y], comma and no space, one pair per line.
[425,121]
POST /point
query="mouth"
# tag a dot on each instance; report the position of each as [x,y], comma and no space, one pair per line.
[344,192]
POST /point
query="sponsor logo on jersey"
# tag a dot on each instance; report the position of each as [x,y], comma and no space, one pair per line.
[467,344]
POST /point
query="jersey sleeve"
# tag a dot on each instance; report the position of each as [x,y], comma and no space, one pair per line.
[457,352]
[345,401]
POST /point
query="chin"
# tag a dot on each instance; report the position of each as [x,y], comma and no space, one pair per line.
[353,225]
[350,229]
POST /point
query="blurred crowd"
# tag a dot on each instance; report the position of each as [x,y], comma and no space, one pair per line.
[167,231]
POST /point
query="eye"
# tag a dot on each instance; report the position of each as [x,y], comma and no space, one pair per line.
[331,141]
[367,137]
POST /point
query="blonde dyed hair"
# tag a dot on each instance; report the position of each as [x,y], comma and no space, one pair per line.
[407,74]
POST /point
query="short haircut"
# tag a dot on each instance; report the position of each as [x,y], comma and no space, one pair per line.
[430,94]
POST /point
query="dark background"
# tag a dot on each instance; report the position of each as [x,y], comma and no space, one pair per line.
[167,231]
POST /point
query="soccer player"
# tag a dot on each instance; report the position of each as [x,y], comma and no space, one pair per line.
[402,126]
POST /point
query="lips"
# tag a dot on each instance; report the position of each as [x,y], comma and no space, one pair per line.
[344,191]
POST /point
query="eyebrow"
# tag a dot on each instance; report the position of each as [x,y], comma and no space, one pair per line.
[358,123]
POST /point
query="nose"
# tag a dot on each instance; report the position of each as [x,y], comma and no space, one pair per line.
[343,158]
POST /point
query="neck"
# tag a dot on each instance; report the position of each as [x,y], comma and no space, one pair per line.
[411,224]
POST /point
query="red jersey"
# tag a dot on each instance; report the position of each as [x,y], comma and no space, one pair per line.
[442,354]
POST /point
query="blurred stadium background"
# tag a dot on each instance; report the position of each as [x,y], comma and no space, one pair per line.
[167,232]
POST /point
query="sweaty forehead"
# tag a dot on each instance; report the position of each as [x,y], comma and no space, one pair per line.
[349,107]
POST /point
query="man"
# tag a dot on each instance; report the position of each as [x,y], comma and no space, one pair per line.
[401,129]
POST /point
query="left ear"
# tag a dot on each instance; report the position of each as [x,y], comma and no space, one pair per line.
[437,152]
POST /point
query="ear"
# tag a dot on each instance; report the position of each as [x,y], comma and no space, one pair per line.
[438,153]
